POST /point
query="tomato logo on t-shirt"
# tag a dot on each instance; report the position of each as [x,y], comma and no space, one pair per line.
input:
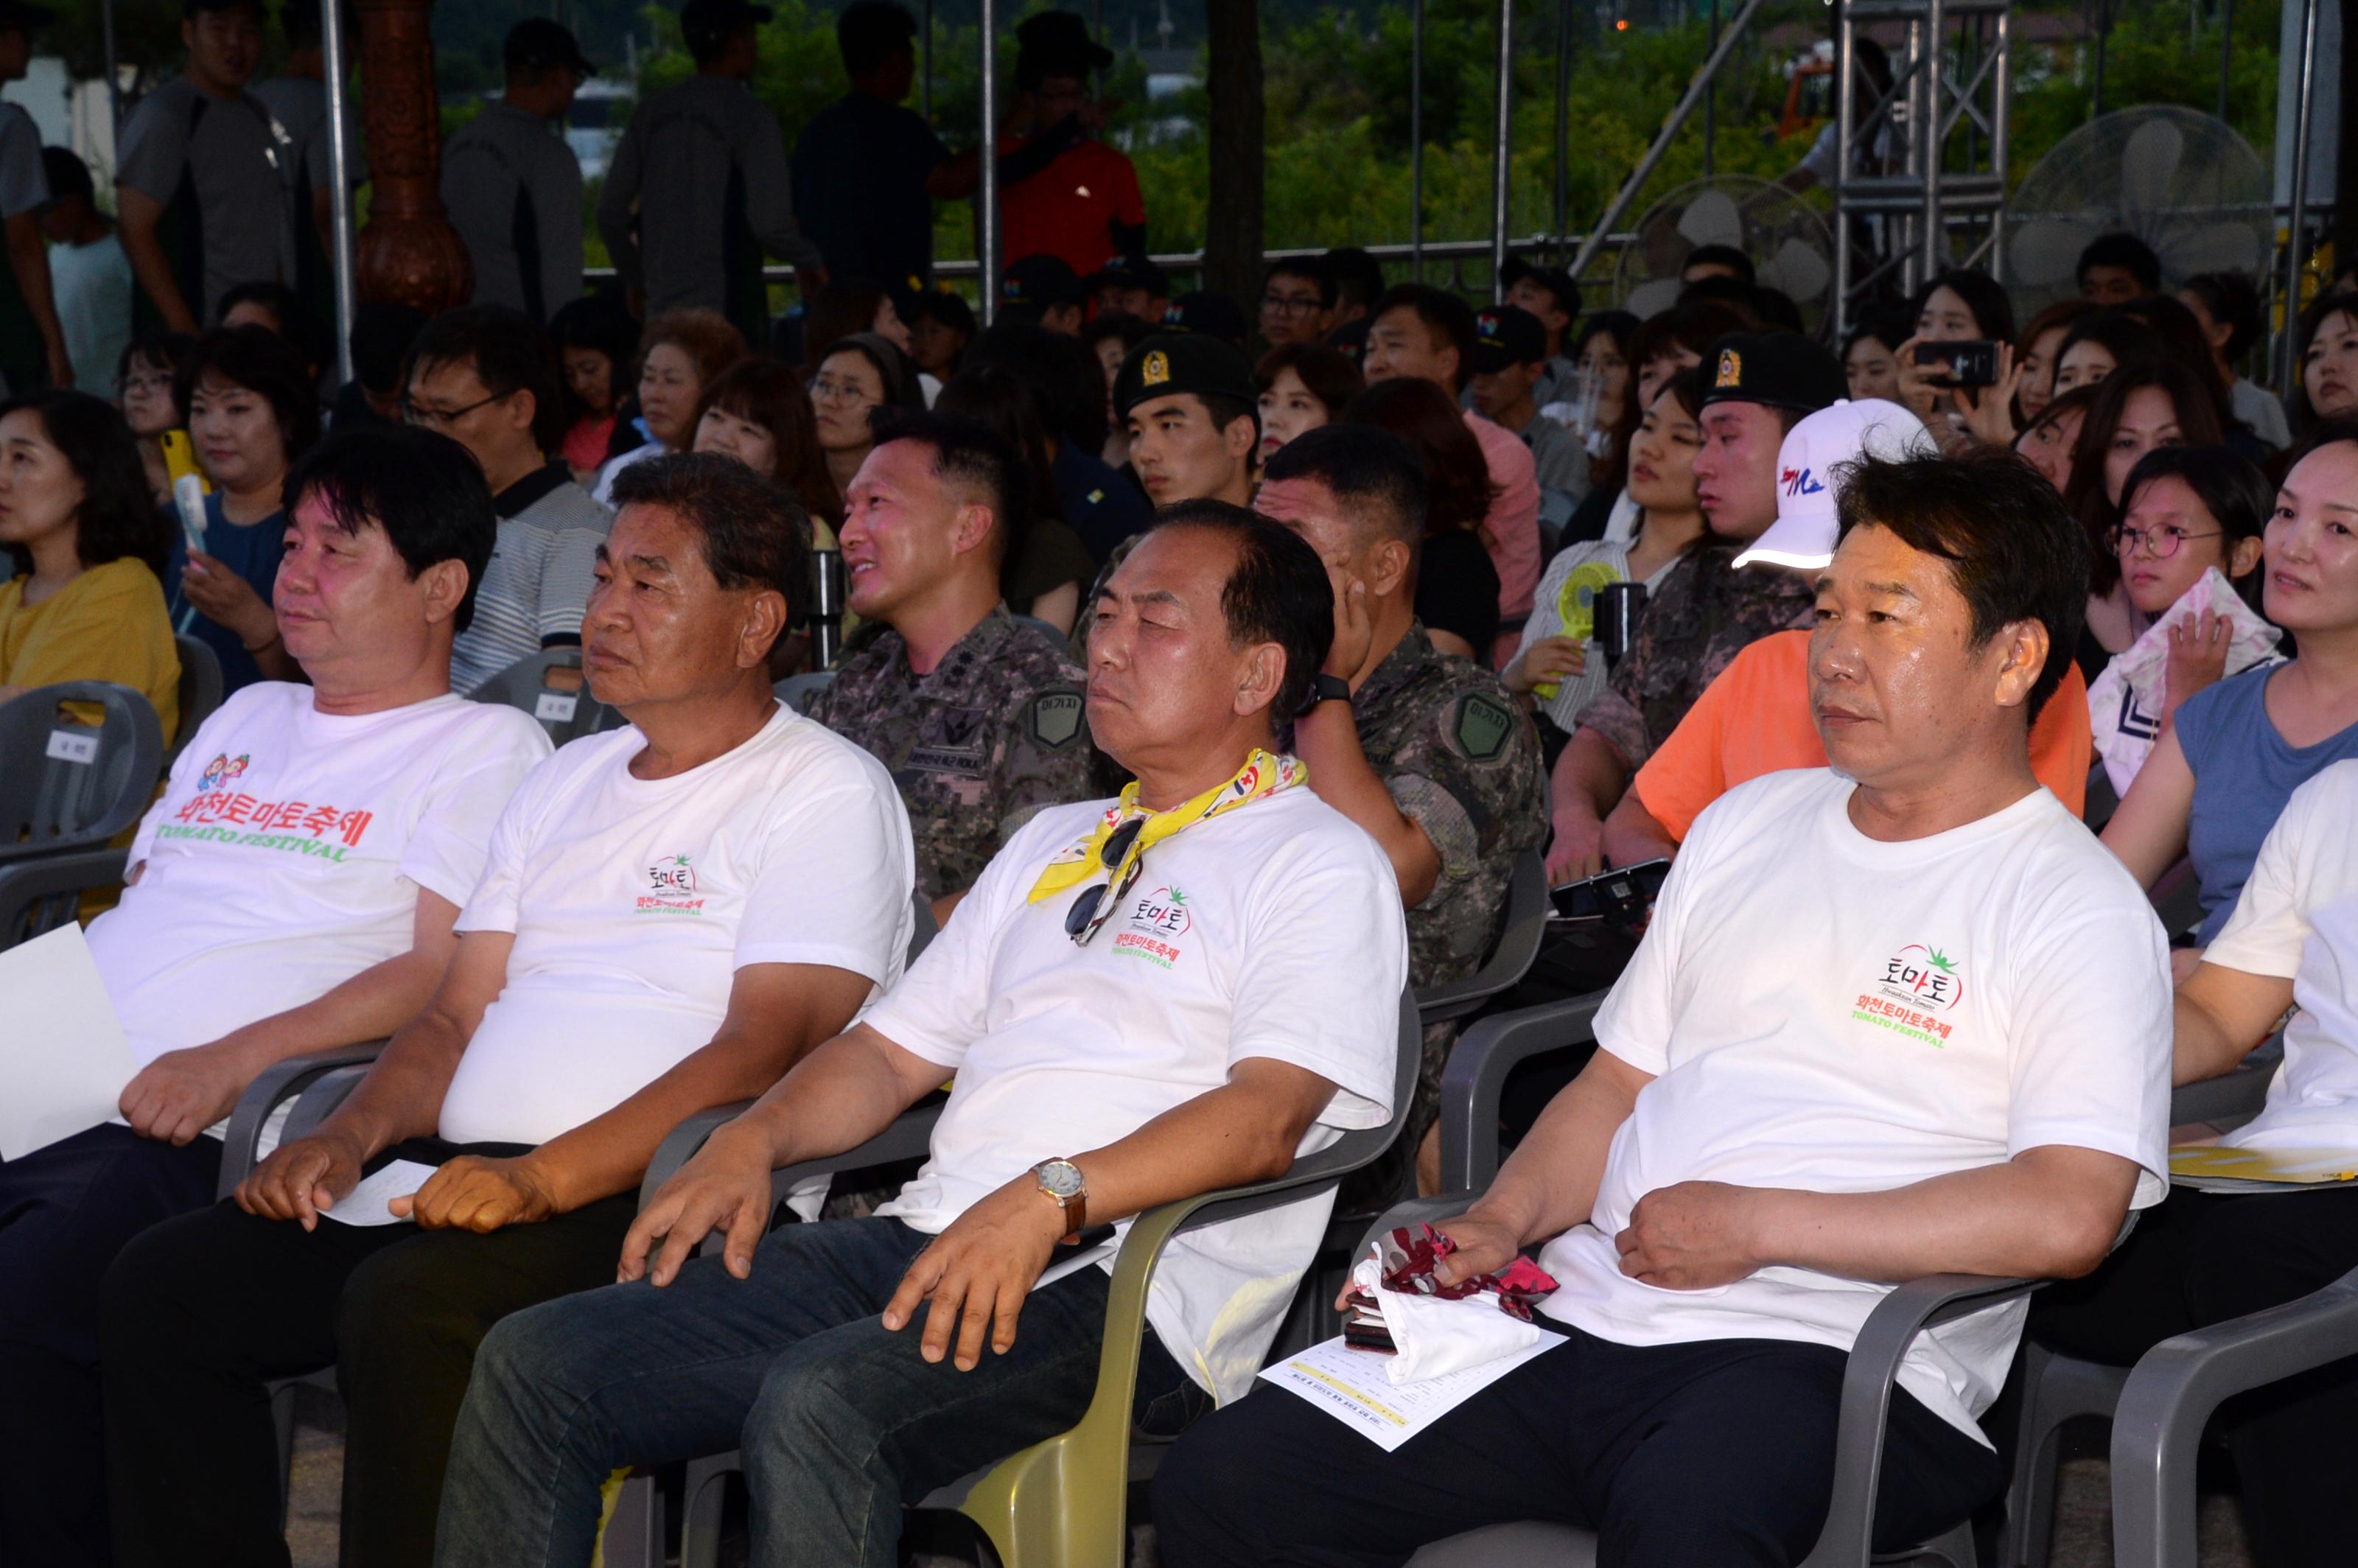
[1917,985]
[221,770]
[671,888]
[1157,920]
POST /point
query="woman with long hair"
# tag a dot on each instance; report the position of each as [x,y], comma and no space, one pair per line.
[860,375]
[2047,442]
[2234,752]
[2136,409]
[1559,665]
[1302,386]
[2328,363]
[680,354]
[2035,351]
[1456,582]
[252,408]
[1870,354]
[2100,343]
[86,600]
[593,339]
[1961,305]
[1663,345]
[757,412]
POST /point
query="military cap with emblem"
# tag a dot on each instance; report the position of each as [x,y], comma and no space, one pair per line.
[1170,362]
[1781,370]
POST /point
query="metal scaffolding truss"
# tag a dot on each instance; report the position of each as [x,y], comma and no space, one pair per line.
[1907,203]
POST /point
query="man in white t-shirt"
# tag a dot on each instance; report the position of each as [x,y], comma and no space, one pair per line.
[2203,1258]
[292,890]
[1142,1001]
[670,915]
[1897,1019]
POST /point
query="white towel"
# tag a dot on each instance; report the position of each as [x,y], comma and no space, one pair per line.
[1434,1337]
[2124,702]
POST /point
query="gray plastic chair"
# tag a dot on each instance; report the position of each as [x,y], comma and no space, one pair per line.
[699,1534]
[199,692]
[40,893]
[797,691]
[2170,1396]
[1510,958]
[66,785]
[2058,1389]
[566,714]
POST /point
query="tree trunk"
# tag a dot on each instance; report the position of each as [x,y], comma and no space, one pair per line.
[1232,217]
[2345,165]
[409,253]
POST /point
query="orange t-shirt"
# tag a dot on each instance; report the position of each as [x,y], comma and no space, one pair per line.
[1753,719]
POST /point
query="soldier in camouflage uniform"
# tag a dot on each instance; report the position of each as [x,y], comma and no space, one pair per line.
[979,717]
[1436,761]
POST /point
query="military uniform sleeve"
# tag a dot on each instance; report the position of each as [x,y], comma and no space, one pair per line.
[155,149]
[1044,756]
[23,184]
[769,195]
[1469,777]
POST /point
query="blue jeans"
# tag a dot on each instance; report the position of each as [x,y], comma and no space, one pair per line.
[840,1422]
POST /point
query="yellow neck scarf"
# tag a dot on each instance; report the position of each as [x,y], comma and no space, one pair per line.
[1261,776]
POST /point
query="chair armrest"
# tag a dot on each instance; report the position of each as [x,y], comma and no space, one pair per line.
[2169,1397]
[1874,1357]
[272,1087]
[25,883]
[2235,1096]
[681,1143]
[1476,1076]
[1518,944]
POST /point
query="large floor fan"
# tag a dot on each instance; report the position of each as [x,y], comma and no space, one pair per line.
[1788,242]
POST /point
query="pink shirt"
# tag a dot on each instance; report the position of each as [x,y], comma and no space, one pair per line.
[1513,522]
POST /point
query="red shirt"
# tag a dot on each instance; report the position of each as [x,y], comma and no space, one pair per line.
[1069,208]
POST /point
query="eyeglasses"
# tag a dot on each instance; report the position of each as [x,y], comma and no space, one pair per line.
[2161,542]
[1091,909]
[1288,303]
[442,418]
[823,390]
[142,386]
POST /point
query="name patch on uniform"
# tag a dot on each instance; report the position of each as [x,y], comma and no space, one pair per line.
[951,741]
[1483,727]
[1056,718]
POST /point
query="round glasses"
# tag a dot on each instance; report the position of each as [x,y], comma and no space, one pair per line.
[2160,543]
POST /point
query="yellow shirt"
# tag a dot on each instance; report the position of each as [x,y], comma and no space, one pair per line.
[107,625]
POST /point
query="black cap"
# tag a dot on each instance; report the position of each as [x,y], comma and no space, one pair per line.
[1507,335]
[1057,43]
[1132,272]
[1350,339]
[1041,282]
[537,44]
[1212,315]
[23,17]
[1554,279]
[1170,362]
[1783,370]
[706,24]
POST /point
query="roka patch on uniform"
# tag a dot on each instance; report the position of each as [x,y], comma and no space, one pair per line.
[1484,726]
[1056,718]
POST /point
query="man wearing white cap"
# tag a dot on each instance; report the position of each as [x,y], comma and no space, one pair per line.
[1754,717]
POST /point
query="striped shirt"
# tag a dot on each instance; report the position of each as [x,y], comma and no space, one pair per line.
[539,579]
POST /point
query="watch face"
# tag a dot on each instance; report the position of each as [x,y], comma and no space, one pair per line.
[1060,1178]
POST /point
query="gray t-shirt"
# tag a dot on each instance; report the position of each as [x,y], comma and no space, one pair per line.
[218,167]
[513,189]
[705,166]
[537,584]
[1558,459]
[23,184]
[300,106]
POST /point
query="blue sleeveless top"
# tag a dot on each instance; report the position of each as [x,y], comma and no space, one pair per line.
[2243,773]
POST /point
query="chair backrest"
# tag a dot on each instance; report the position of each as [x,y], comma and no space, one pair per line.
[925,930]
[565,711]
[2177,899]
[797,691]
[69,786]
[1511,957]
[201,691]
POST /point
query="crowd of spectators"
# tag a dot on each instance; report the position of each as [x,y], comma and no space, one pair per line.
[1373,596]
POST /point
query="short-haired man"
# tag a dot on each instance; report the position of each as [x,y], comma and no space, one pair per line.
[1719,261]
[1509,359]
[670,916]
[978,716]
[698,190]
[1194,416]
[1133,287]
[1419,330]
[297,99]
[1297,302]
[1549,294]
[1043,290]
[483,375]
[1359,283]
[1704,611]
[199,185]
[292,890]
[1898,1017]
[867,168]
[89,274]
[1425,751]
[2116,268]
[513,190]
[1142,1000]
[1754,717]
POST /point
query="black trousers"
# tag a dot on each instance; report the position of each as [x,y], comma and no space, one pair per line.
[1679,1455]
[199,1315]
[2201,1258]
[65,1212]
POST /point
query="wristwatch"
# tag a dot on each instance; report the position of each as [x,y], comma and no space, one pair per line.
[1325,687]
[1061,1181]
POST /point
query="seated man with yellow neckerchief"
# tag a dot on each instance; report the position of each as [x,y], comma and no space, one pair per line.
[1142,1000]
